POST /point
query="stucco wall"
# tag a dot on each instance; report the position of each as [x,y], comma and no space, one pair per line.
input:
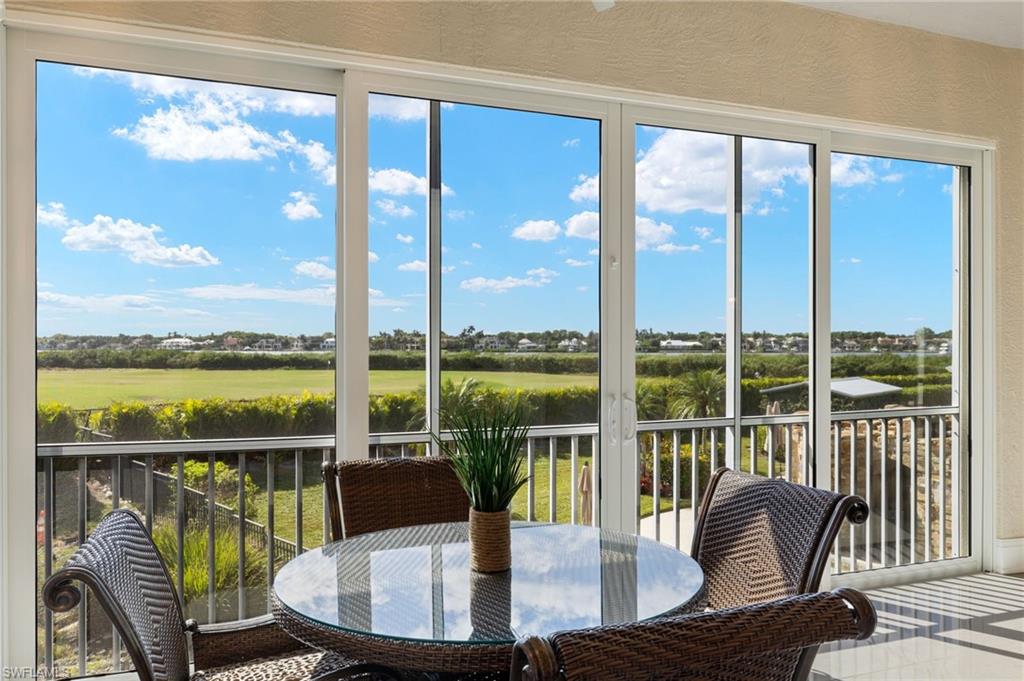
[764,54]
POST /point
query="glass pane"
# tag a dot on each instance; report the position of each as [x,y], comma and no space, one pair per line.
[520,312]
[776,283]
[892,282]
[186,287]
[895,316]
[682,179]
[519,296]
[398,134]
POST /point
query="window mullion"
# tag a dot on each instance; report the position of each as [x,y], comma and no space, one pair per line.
[820,343]
[433,335]
[734,303]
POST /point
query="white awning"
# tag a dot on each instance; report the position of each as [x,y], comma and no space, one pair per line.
[854,387]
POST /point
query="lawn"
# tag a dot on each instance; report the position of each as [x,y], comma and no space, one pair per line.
[312,500]
[96,388]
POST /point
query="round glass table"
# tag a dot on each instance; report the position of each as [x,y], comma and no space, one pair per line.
[407,598]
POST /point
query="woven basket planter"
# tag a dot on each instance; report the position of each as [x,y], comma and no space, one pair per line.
[490,540]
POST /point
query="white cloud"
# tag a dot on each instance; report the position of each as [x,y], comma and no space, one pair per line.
[650,233]
[398,182]
[573,262]
[537,230]
[52,215]
[300,207]
[319,159]
[849,170]
[317,295]
[458,214]
[137,241]
[571,143]
[535,278]
[405,238]
[587,189]
[398,108]
[206,120]
[718,240]
[207,127]
[314,269]
[413,266]
[892,177]
[676,248]
[594,251]
[372,257]
[585,225]
[401,109]
[395,209]
[582,289]
[476,246]
[255,98]
[682,171]
[100,305]
[851,261]
[703,232]
[543,274]
[445,269]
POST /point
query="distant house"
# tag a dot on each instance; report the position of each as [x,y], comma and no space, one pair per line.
[176,344]
[490,344]
[796,344]
[268,345]
[232,343]
[527,345]
[328,344]
[572,345]
[414,346]
[851,346]
[298,345]
[673,345]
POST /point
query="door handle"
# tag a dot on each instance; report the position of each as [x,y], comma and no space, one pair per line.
[613,422]
[630,417]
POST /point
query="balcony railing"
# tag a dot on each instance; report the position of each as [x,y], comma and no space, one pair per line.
[267,502]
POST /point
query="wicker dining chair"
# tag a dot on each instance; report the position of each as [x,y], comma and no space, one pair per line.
[773,641]
[759,539]
[381,494]
[122,567]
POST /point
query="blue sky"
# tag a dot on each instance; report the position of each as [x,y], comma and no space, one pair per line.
[175,205]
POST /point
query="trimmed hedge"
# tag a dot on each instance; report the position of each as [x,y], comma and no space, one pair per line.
[754,365]
[313,414]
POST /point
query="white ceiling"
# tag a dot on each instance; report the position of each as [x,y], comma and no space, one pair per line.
[999,22]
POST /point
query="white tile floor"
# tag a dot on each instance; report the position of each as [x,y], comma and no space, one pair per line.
[969,628]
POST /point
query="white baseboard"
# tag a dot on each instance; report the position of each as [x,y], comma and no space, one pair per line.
[1008,557]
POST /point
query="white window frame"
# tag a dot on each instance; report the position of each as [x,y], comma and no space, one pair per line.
[223,57]
[18,473]
[358,86]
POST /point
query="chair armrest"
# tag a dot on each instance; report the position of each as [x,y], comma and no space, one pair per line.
[216,645]
[533,659]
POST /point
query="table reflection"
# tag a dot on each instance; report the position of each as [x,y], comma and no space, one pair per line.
[416,583]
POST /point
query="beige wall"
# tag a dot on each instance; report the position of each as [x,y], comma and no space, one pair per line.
[765,54]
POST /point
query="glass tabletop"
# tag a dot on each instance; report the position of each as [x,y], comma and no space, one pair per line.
[415,583]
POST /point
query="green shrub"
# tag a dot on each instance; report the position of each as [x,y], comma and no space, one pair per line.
[225,568]
[130,421]
[225,481]
[56,422]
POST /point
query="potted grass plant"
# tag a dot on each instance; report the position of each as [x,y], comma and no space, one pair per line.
[484,451]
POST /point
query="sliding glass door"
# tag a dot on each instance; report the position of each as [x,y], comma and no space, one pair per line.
[721,237]
[483,227]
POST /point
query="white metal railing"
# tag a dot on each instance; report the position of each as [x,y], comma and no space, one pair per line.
[906,463]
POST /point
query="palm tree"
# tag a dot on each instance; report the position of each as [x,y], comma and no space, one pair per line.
[701,394]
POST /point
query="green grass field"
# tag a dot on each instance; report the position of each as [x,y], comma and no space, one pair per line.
[96,388]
